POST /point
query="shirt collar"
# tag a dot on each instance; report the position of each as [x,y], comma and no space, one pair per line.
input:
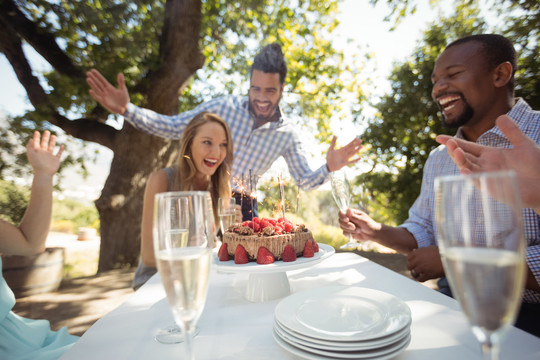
[280,118]
[520,105]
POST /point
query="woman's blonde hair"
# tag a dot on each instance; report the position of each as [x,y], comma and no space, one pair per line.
[220,182]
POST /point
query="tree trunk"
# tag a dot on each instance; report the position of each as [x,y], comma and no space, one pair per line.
[120,203]
[136,154]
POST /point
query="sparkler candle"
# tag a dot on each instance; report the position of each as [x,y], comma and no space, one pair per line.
[251,193]
[297,198]
[282,195]
[242,192]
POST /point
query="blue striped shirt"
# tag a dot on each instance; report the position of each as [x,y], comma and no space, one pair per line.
[421,221]
[254,149]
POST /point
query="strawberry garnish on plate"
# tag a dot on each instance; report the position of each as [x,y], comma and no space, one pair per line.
[308,249]
[264,256]
[223,253]
[289,254]
[240,255]
[315,246]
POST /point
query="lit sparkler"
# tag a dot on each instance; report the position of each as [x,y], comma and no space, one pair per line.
[282,195]
[297,198]
[251,193]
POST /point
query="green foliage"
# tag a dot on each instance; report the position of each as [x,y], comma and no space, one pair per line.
[134,38]
[327,234]
[522,25]
[67,211]
[125,37]
[67,216]
[403,134]
[13,201]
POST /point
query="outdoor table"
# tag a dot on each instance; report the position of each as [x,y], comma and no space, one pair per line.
[232,327]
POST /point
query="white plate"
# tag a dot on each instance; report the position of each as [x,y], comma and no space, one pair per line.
[343,313]
[340,345]
[347,354]
[296,350]
[252,267]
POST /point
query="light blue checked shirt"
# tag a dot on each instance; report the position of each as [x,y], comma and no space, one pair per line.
[421,221]
[254,149]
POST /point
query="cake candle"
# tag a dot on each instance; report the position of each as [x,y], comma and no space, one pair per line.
[242,194]
[297,198]
[251,193]
[282,195]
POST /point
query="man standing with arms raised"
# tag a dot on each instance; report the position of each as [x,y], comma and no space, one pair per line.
[260,131]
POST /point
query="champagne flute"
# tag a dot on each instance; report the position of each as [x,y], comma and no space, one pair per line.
[341,191]
[179,220]
[184,264]
[479,225]
[226,213]
[176,223]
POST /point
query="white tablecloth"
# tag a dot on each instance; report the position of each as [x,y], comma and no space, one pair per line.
[231,327]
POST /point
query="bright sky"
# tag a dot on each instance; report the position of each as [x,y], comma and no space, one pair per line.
[359,20]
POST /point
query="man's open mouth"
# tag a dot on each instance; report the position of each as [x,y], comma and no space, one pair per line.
[447,103]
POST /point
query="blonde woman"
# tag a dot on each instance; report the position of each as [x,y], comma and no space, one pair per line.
[204,164]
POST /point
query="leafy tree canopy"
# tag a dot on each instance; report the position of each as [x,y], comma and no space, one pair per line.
[174,54]
[401,137]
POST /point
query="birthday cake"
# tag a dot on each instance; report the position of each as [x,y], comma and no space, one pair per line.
[265,241]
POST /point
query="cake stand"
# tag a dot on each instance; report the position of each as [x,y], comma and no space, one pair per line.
[270,281]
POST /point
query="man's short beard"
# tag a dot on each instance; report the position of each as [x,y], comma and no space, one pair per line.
[273,114]
[462,119]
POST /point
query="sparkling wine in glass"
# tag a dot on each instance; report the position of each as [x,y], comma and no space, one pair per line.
[341,191]
[226,213]
[184,261]
[480,235]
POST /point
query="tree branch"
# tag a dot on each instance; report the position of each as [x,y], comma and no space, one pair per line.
[44,43]
[85,129]
[11,46]
[179,54]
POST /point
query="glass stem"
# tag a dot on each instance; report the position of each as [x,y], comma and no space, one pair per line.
[188,343]
[490,349]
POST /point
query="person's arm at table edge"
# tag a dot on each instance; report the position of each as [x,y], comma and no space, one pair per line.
[533,268]
[397,238]
[157,183]
[531,282]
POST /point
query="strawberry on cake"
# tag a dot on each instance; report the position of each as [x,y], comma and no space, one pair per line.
[266,240]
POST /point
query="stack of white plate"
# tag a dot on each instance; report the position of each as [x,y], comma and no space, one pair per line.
[342,322]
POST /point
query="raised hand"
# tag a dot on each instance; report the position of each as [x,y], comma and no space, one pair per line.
[40,153]
[113,99]
[338,158]
[523,158]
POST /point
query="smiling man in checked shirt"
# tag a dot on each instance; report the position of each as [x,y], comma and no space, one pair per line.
[260,131]
[473,84]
